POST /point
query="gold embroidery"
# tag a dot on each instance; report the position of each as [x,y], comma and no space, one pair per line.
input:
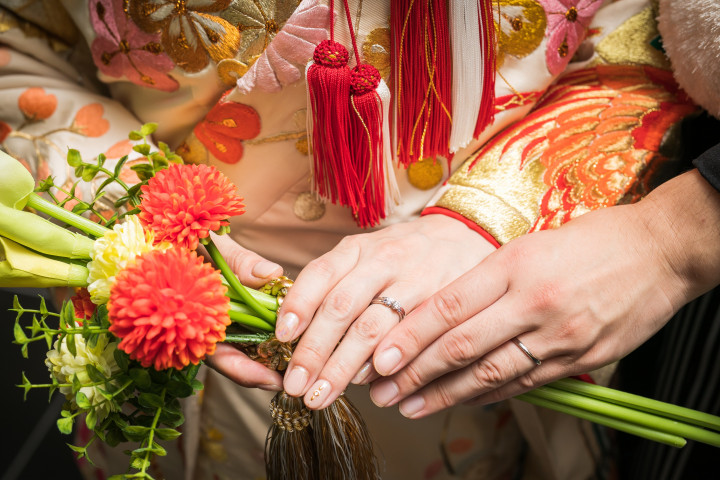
[189,34]
[425,174]
[520,27]
[376,51]
[566,158]
[258,21]
[630,43]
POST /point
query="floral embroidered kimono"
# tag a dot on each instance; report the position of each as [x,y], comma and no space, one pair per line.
[225,81]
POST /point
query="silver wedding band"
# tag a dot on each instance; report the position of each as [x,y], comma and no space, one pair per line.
[525,350]
[391,303]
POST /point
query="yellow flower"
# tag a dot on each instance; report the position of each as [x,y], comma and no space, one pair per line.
[64,367]
[112,253]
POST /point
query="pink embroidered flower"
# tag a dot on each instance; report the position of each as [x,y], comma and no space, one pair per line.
[122,49]
[567,22]
[293,46]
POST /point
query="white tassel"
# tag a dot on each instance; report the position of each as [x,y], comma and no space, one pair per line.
[468,64]
[392,191]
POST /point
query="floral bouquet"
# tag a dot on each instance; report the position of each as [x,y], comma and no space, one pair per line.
[149,309]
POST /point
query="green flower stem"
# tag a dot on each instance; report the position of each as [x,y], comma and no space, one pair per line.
[266,300]
[59,213]
[151,437]
[628,415]
[24,311]
[114,178]
[637,402]
[254,339]
[617,424]
[251,321]
[238,287]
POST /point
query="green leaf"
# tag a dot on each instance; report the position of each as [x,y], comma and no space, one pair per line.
[150,400]
[159,162]
[114,437]
[70,343]
[196,384]
[179,389]
[77,449]
[142,149]
[91,419]
[122,359]
[48,339]
[20,337]
[89,172]
[26,386]
[141,377]
[167,433]
[76,385]
[148,129]
[101,159]
[140,463]
[172,419]
[144,171]
[80,207]
[192,371]
[73,158]
[45,185]
[135,135]
[94,373]
[68,314]
[43,308]
[119,165]
[82,400]
[65,425]
[136,432]
[16,303]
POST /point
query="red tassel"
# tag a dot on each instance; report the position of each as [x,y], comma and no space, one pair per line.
[487,38]
[367,144]
[422,78]
[328,80]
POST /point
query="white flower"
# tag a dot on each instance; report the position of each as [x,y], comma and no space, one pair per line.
[65,366]
[112,252]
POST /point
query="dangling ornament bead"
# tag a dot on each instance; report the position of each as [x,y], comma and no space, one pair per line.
[331,54]
[364,79]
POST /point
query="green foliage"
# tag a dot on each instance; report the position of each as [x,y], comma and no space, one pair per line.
[127,203]
[153,396]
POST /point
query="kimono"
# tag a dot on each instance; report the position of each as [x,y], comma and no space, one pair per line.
[583,104]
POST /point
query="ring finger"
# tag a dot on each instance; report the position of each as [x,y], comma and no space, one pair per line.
[383,313]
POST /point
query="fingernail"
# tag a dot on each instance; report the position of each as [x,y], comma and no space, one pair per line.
[270,387]
[295,381]
[383,394]
[264,269]
[286,326]
[387,360]
[318,393]
[362,374]
[412,405]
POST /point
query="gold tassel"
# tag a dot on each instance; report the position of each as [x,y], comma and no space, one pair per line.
[344,447]
[328,444]
[290,451]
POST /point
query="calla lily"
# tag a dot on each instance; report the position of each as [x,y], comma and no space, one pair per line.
[28,229]
[21,267]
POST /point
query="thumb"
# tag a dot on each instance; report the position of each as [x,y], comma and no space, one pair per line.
[252,269]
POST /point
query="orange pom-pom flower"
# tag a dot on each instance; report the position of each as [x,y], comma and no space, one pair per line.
[168,308]
[183,203]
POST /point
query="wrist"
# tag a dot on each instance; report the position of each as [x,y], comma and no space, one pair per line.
[683,219]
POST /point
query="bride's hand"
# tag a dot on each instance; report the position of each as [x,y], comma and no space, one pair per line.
[329,303]
[253,271]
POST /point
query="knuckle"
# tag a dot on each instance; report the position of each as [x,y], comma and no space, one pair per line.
[457,349]
[526,382]
[449,305]
[367,329]
[546,297]
[321,267]
[338,305]
[444,397]
[487,374]
[413,378]
[310,353]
